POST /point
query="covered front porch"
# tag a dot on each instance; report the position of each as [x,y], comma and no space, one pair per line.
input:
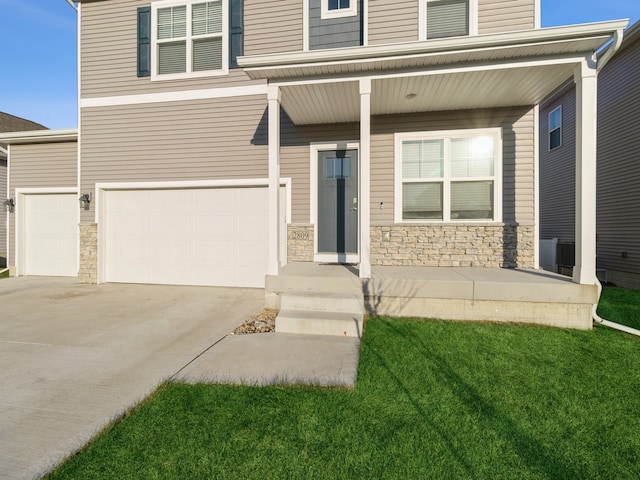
[456,293]
[402,84]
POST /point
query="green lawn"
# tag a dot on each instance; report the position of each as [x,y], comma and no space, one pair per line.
[620,305]
[433,400]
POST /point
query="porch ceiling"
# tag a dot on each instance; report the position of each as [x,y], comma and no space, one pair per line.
[338,102]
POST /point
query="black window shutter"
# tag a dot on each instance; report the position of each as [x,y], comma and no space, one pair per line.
[236,31]
[144,41]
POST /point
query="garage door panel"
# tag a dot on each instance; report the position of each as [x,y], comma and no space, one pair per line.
[208,236]
[50,234]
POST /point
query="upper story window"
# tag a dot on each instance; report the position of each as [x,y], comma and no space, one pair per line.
[555,128]
[447,18]
[189,38]
[338,8]
[448,176]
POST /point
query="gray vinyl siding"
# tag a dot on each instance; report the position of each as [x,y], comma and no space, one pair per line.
[3,213]
[393,22]
[618,205]
[558,171]
[495,16]
[108,58]
[175,141]
[518,141]
[46,165]
[334,32]
[274,29]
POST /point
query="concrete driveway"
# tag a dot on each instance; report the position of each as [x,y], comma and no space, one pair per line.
[73,356]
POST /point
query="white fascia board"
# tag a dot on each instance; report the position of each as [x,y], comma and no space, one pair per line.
[542,35]
[39,136]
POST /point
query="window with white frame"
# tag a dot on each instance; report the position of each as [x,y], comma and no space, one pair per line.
[448,176]
[555,128]
[190,38]
[338,8]
[447,18]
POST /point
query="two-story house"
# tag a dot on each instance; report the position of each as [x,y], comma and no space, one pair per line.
[220,140]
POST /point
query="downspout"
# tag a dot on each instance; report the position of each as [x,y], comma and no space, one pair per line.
[618,37]
[608,54]
[72,5]
[609,323]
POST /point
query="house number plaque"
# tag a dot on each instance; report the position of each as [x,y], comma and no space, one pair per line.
[300,235]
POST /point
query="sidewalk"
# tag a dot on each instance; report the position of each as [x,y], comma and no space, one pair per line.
[276,358]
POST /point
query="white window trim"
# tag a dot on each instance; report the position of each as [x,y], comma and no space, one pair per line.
[325,13]
[155,76]
[549,131]
[422,14]
[446,200]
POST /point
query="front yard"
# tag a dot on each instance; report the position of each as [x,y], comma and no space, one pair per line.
[433,400]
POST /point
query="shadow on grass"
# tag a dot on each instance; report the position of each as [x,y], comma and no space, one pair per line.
[534,454]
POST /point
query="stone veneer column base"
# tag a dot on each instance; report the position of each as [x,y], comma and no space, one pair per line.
[300,243]
[88,272]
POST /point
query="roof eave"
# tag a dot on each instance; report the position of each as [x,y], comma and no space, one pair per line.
[256,66]
[39,136]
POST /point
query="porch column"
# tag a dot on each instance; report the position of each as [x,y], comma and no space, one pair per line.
[365,177]
[585,78]
[273,95]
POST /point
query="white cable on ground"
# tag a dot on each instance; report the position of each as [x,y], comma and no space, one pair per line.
[609,323]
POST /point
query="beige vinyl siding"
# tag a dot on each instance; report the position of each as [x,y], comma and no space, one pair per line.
[618,205]
[518,142]
[108,58]
[393,22]
[272,28]
[295,158]
[496,16]
[174,141]
[45,165]
[558,172]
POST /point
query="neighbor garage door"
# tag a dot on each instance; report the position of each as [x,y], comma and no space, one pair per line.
[205,236]
[50,233]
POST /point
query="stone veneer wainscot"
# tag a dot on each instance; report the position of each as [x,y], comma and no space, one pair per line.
[453,245]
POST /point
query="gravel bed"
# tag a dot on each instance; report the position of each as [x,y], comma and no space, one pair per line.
[263,321]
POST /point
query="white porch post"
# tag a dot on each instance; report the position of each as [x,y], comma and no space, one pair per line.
[586,81]
[365,177]
[273,95]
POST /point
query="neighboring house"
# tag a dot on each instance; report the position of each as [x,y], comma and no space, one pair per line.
[220,140]
[8,123]
[618,170]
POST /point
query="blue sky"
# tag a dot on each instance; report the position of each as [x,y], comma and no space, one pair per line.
[38,78]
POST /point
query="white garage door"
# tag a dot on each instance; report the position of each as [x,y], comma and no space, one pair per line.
[206,236]
[50,234]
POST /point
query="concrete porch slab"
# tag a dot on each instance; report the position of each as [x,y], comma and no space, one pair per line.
[462,293]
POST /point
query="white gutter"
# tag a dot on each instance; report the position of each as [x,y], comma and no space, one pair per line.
[609,323]
[72,5]
[511,39]
[39,136]
[618,38]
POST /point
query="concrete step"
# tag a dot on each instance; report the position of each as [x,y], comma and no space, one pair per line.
[307,322]
[282,283]
[323,301]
